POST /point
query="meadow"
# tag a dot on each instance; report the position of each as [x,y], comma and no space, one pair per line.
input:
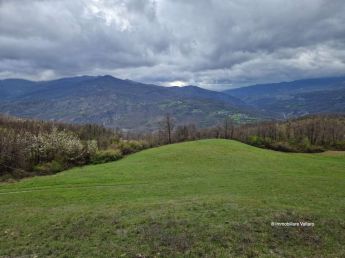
[207,198]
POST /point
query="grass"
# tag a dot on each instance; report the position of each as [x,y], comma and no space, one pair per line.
[209,198]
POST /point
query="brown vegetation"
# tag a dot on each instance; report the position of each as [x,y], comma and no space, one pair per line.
[307,134]
[29,147]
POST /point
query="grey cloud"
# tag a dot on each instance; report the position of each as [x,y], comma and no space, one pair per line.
[211,43]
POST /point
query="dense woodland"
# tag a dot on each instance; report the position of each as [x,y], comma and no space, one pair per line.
[30,147]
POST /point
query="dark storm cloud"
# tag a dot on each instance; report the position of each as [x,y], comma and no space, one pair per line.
[212,43]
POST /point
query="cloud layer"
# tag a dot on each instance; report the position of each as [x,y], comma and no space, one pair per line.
[215,44]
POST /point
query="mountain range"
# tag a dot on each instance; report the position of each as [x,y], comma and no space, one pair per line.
[131,105]
[119,103]
[296,98]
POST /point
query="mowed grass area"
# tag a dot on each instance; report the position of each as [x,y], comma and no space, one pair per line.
[209,198]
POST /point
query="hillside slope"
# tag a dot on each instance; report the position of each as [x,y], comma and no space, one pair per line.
[213,198]
[119,103]
[296,98]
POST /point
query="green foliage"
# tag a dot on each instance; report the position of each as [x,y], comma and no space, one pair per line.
[128,147]
[106,156]
[255,141]
[339,145]
[313,149]
[305,143]
[49,167]
[284,146]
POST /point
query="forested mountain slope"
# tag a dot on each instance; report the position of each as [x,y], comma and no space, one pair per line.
[296,98]
[119,103]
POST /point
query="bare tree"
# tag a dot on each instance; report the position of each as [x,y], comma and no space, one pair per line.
[168,127]
[228,128]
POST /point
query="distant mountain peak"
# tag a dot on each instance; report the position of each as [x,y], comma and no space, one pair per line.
[107,76]
[191,86]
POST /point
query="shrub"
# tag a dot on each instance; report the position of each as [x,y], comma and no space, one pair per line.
[339,145]
[62,144]
[283,146]
[256,141]
[106,156]
[305,143]
[49,167]
[128,147]
[314,149]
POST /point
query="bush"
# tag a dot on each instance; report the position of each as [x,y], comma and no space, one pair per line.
[314,149]
[128,147]
[106,156]
[258,141]
[339,146]
[283,146]
[303,146]
[49,167]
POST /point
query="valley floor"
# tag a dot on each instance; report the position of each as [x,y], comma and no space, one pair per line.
[209,198]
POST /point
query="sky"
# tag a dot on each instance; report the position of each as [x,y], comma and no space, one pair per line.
[215,44]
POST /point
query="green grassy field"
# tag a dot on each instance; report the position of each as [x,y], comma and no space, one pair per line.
[209,198]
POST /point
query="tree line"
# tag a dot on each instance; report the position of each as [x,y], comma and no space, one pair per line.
[31,147]
[314,133]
